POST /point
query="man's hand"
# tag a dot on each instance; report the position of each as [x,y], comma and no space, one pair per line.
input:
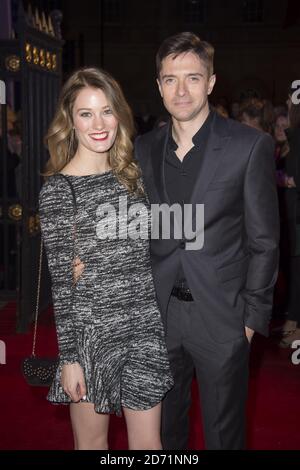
[78,268]
[290,182]
[249,333]
[72,381]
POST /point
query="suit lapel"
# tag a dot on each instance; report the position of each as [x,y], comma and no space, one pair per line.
[158,155]
[216,145]
[217,142]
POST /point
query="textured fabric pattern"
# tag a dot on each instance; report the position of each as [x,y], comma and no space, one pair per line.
[109,321]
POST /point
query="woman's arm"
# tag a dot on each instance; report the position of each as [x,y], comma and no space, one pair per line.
[57,226]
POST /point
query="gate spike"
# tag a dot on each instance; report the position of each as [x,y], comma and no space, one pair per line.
[38,24]
[50,26]
[44,24]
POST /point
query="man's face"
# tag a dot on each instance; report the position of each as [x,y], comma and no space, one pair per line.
[184,85]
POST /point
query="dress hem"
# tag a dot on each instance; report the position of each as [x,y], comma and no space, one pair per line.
[115,409]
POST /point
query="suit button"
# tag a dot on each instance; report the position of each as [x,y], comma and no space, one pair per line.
[182,245]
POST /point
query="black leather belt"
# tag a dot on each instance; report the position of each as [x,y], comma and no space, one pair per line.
[182,294]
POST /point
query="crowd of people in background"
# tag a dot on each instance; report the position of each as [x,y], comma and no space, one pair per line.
[282,122]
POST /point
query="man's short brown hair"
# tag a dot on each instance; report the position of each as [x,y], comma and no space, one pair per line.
[182,43]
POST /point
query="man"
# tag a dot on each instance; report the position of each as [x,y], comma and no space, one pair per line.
[212,298]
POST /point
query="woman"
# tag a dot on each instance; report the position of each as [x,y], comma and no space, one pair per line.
[113,356]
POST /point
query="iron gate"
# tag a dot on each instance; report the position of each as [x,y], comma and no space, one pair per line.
[30,68]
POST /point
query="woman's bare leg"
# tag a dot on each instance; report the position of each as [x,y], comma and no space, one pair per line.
[143,428]
[90,429]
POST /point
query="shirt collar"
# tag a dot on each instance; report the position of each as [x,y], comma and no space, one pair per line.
[198,138]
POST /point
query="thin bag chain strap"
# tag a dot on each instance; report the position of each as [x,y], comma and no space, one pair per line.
[37,303]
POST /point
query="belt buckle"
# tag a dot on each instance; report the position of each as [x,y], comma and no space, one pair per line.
[180,294]
[184,294]
[187,295]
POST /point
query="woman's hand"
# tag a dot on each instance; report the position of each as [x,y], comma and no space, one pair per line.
[73,382]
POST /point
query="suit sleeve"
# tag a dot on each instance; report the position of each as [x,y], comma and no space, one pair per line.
[262,229]
[294,155]
[57,226]
[137,149]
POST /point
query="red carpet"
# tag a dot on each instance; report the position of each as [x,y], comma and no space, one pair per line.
[28,421]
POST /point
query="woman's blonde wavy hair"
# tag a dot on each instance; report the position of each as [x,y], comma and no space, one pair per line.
[61,139]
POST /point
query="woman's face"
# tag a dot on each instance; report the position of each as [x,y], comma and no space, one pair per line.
[95,125]
[280,126]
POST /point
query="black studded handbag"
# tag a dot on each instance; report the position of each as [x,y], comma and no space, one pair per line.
[38,371]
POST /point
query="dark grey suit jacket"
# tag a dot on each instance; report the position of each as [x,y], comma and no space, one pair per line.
[233,275]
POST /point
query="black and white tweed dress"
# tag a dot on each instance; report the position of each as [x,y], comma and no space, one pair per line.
[109,321]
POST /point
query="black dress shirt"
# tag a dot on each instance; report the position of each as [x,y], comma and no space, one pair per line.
[181,176]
